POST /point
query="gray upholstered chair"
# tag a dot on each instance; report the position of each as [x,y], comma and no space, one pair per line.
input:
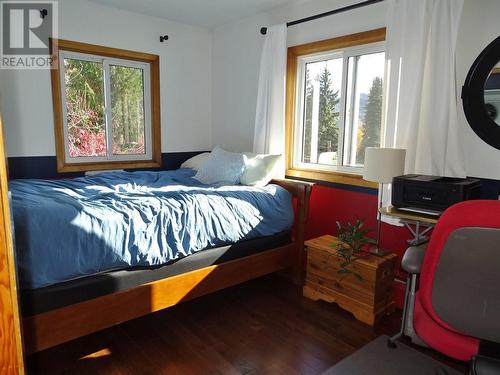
[456,308]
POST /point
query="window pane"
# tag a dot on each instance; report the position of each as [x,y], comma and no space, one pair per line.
[85,108]
[127,101]
[364,106]
[323,80]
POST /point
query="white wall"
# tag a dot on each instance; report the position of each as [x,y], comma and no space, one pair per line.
[479,26]
[236,57]
[209,81]
[25,96]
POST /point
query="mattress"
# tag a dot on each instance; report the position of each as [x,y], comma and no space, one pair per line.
[67,229]
[67,293]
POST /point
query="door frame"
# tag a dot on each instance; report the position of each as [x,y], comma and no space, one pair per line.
[11,344]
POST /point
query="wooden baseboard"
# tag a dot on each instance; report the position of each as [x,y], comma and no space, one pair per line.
[55,327]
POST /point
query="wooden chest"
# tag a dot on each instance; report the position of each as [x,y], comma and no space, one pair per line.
[368,298]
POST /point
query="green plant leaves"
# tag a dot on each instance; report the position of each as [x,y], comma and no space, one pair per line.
[352,240]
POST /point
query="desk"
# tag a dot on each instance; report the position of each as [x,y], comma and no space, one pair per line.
[416,219]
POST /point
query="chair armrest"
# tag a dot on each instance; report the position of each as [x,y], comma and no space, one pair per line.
[413,259]
[481,365]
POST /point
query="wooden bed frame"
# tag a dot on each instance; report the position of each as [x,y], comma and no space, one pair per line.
[57,326]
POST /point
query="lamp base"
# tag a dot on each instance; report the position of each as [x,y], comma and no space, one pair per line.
[378,251]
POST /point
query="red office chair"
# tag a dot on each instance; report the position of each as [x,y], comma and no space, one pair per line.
[456,309]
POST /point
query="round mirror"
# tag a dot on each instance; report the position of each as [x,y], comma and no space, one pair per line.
[481,95]
[492,94]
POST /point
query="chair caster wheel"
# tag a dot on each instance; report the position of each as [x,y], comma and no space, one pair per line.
[391,344]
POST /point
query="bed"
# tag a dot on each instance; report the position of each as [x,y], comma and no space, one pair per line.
[96,251]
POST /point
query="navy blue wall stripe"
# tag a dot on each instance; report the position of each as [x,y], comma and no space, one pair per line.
[46,167]
[490,189]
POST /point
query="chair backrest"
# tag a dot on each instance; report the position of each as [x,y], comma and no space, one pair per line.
[460,279]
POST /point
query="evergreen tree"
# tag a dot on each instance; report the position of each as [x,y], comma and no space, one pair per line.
[84,82]
[372,120]
[328,114]
[127,109]
[84,94]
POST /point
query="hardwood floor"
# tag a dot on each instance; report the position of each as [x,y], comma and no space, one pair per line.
[263,326]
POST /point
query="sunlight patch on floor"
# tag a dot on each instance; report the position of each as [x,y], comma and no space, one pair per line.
[99,354]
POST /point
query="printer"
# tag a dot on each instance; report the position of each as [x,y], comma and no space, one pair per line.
[432,194]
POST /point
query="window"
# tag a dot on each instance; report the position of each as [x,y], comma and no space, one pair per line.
[106,106]
[334,105]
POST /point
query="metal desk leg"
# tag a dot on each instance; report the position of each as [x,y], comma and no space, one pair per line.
[419,236]
[391,342]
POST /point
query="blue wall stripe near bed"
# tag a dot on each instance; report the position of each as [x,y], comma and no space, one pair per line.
[46,166]
[490,189]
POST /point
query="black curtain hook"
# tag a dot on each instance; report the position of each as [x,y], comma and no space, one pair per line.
[163,38]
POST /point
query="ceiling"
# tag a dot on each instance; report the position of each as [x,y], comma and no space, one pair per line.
[205,13]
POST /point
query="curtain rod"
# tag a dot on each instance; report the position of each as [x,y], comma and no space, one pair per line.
[263,30]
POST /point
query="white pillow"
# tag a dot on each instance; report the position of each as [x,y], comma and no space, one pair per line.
[222,167]
[260,169]
[196,161]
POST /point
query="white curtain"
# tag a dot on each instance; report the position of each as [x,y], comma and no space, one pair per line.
[269,133]
[421,101]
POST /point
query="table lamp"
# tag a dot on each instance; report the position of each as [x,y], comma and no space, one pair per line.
[381,165]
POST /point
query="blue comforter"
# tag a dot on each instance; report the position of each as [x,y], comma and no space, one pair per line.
[66,229]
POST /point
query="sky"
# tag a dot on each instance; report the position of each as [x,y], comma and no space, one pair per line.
[369,67]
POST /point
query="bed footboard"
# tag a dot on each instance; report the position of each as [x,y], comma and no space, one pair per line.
[301,191]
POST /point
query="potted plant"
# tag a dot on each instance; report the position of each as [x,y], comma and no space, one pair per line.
[351,245]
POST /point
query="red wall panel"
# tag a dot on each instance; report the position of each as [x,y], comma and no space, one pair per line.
[330,204]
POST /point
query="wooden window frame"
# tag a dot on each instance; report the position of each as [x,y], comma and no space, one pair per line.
[57,45]
[294,53]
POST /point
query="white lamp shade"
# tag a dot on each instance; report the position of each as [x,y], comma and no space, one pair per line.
[382,164]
